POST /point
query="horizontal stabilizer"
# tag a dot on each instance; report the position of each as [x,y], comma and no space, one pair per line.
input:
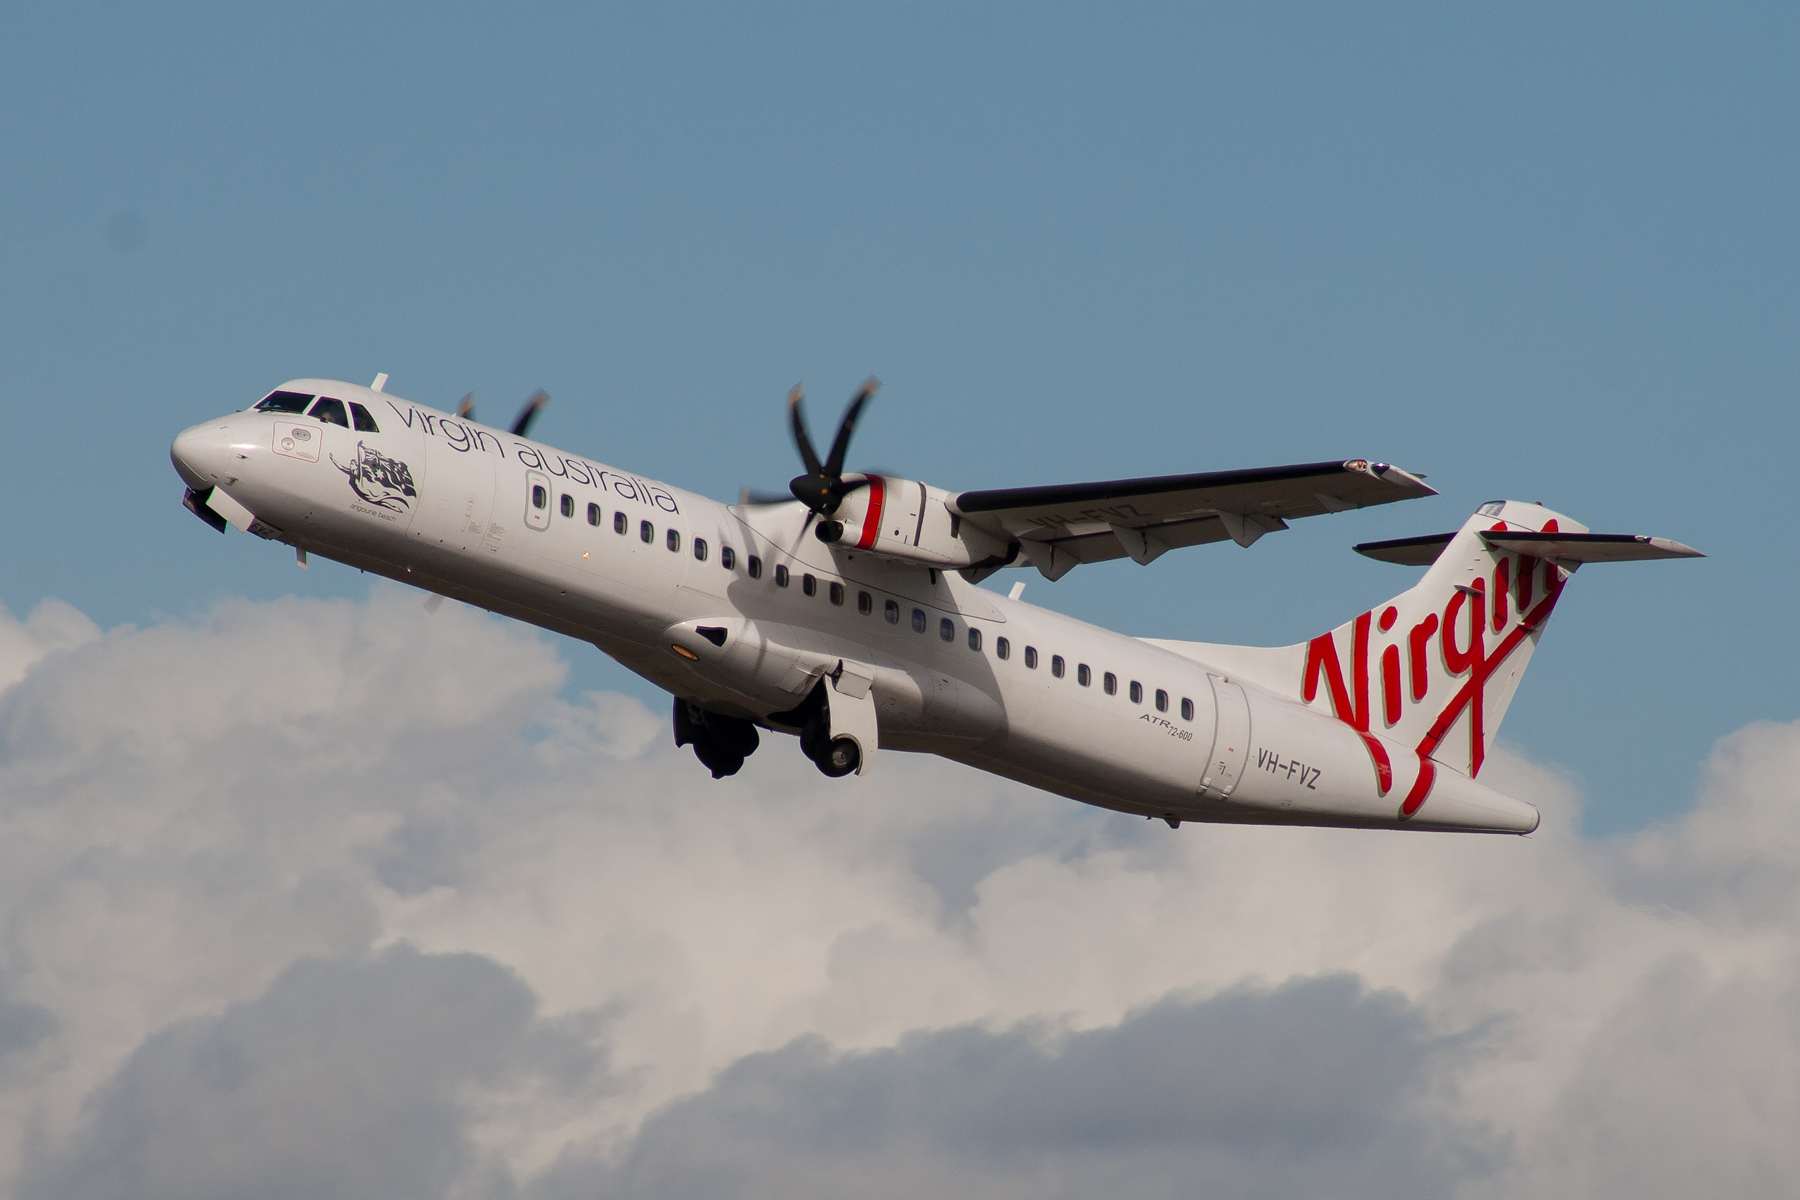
[1589,547]
[1419,551]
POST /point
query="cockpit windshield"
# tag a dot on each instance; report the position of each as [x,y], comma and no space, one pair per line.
[331,412]
[284,402]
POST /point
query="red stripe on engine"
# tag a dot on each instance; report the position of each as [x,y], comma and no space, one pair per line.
[872,519]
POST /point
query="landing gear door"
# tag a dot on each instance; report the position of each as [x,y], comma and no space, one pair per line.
[1231,739]
[851,711]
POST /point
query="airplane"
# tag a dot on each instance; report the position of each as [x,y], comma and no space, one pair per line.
[848,612]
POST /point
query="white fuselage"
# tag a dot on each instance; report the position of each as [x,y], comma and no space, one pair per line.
[638,568]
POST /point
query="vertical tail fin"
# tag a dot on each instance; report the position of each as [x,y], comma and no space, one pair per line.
[1429,674]
[1435,668]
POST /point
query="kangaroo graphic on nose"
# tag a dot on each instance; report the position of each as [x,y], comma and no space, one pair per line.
[382,481]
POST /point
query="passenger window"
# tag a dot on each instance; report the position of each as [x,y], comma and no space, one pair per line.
[672,540]
[1056,665]
[754,565]
[1083,676]
[837,593]
[1137,692]
[284,402]
[699,549]
[918,620]
[568,505]
[974,638]
[363,421]
[865,603]
[947,629]
[619,522]
[1002,648]
[727,558]
[809,585]
[540,496]
[593,514]
[1162,700]
[1187,709]
[646,532]
[891,610]
[330,411]
[1031,658]
[781,575]
[1110,683]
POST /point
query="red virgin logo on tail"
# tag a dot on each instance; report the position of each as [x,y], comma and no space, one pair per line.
[1461,633]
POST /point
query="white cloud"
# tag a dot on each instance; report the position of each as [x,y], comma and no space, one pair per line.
[203,826]
[53,625]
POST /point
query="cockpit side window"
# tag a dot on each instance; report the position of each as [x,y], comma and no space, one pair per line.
[284,402]
[364,422]
[330,411]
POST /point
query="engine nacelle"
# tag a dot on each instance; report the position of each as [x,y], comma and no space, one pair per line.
[910,521]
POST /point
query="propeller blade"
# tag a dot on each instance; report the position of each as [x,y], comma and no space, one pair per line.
[528,414]
[466,409]
[756,498]
[797,421]
[840,445]
[823,487]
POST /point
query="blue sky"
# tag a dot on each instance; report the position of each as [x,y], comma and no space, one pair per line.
[1535,251]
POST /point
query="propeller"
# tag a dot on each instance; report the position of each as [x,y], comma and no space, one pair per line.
[522,425]
[528,414]
[823,488]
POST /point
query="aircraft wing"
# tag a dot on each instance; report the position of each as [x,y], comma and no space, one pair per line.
[1065,524]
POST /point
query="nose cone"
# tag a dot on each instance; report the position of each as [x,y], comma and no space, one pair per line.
[201,455]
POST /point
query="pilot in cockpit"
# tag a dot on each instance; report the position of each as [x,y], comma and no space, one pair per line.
[323,408]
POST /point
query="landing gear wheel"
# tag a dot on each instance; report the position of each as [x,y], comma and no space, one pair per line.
[721,743]
[840,758]
[836,757]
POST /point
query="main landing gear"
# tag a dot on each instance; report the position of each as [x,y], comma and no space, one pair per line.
[836,757]
[721,743]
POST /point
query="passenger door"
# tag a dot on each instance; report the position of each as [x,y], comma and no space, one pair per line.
[537,500]
[1231,739]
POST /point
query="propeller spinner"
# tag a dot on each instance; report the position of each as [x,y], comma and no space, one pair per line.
[823,488]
